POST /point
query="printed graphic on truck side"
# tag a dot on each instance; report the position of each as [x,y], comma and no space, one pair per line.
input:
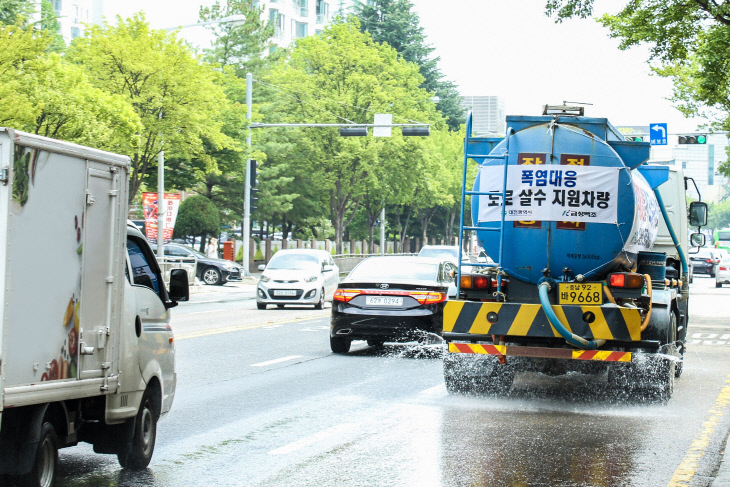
[45,250]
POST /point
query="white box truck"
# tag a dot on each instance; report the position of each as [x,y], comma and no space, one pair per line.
[86,348]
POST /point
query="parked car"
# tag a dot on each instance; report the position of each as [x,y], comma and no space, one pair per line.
[705,261]
[723,273]
[208,270]
[386,299]
[297,276]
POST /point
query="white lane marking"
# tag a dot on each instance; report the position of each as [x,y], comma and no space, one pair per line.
[276,361]
[316,328]
[309,440]
[439,389]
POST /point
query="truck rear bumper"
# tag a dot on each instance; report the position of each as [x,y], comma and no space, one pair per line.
[606,322]
[540,352]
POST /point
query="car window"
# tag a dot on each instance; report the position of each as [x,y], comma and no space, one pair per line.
[385,268]
[142,273]
[293,261]
[440,253]
[176,252]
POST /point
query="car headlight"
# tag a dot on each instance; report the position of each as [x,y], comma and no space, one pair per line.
[227,267]
[311,279]
[265,278]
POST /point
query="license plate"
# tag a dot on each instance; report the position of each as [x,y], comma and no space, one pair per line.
[383,301]
[580,293]
[285,292]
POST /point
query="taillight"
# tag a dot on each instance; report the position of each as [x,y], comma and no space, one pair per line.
[626,280]
[723,268]
[475,281]
[428,297]
[710,261]
[345,295]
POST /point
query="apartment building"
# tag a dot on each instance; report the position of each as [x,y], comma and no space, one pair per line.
[73,14]
[488,114]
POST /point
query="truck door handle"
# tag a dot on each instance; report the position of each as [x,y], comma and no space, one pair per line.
[84,350]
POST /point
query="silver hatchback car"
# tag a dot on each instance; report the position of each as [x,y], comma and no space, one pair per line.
[298,276]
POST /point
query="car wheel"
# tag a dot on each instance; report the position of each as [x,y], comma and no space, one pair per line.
[320,304]
[376,343]
[138,457]
[261,305]
[279,305]
[212,276]
[339,344]
[718,284]
[46,460]
[712,273]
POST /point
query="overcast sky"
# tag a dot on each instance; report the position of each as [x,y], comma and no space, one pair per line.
[509,49]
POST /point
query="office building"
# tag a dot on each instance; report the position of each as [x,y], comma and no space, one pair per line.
[488,115]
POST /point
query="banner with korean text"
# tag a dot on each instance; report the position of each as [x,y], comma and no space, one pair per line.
[568,193]
[172,204]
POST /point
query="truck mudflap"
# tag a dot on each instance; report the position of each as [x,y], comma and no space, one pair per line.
[607,322]
[540,352]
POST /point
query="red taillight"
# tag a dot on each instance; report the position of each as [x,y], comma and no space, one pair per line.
[626,279]
[475,281]
[710,261]
[723,268]
[616,280]
[345,295]
[481,282]
[428,297]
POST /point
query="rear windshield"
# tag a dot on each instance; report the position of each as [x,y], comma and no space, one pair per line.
[440,253]
[386,269]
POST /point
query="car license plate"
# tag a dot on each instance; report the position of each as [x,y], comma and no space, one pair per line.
[285,292]
[383,301]
[580,293]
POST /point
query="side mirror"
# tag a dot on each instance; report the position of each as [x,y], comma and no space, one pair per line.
[697,214]
[697,240]
[179,290]
[327,268]
[262,267]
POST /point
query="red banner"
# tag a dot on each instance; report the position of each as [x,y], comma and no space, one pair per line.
[169,215]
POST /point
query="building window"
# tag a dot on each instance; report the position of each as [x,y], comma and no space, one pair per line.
[277,20]
[57,6]
[301,7]
[75,32]
[684,165]
[323,11]
[301,29]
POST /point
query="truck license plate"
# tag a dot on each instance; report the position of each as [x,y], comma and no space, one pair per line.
[580,293]
[285,292]
[383,301]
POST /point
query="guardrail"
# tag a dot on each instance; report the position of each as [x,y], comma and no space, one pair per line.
[187,263]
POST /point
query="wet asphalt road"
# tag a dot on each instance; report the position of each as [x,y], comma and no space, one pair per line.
[261,401]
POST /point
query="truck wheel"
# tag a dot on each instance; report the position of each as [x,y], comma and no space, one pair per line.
[145,433]
[212,276]
[339,344]
[46,460]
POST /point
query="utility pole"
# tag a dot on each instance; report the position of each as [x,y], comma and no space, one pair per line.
[245,227]
[382,231]
[160,205]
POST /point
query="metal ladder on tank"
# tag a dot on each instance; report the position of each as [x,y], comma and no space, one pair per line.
[480,144]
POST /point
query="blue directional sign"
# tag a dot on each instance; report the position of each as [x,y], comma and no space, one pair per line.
[658,133]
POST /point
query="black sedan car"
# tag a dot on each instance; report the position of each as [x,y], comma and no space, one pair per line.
[208,270]
[706,261]
[387,299]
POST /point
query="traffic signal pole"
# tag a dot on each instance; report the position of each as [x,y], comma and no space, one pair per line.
[246,225]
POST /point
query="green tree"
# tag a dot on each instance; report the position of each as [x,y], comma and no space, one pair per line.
[238,45]
[689,42]
[197,216]
[11,10]
[393,22]
[344,75]
[178,99]
[49,22]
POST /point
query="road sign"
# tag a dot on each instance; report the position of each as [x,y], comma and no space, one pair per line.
[384,119]
[658,133]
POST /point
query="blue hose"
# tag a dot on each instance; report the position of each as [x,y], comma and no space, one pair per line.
[571,338]
[685,270]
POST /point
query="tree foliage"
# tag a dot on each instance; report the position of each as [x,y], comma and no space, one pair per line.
[393,22]
[178,99]
[689,42]
[197,216]
[13,10]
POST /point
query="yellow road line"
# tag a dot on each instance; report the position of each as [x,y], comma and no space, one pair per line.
[229,329]
[688,468]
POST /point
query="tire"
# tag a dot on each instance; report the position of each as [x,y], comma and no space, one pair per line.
[718,284]
[320,303]
[212,276]
[46,460]
[139,455]
[339,344]
[280,306]
[261,305]
[376,343]
[481,375]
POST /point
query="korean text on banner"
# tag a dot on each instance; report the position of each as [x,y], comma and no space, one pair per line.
[171,206]
[555,193]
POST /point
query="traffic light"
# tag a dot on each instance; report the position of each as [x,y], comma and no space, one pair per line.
[354,132]
[693,139]
[416,131]
[253,198]
[635,138]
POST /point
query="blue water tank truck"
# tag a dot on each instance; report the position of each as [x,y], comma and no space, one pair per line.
[589,244]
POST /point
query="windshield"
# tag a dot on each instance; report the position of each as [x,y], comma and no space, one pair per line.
[440,253]
[384,268]
[293,261]
[725,235]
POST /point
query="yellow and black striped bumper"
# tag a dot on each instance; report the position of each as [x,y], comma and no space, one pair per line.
[607,322]
[540,352]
